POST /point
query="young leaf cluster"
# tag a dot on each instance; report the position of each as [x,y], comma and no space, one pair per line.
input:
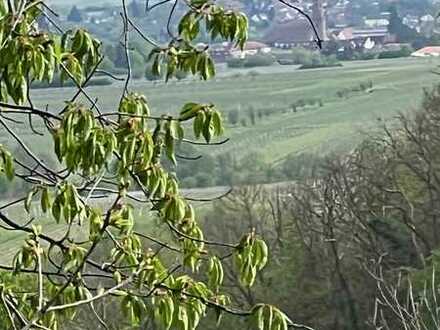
[208,121]
[27,54]
[219,22]
[267,317]
[6,163]
[181,56]
[24,56]
[250,257]
[79,54]
[81,143]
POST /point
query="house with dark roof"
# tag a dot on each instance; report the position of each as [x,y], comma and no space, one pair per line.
[290,34]
[220,51]
[360,36]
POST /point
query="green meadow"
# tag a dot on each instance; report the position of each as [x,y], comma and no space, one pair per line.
[337,124]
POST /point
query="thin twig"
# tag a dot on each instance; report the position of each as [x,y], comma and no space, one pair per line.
[193,199]
[206,144]
[195,239]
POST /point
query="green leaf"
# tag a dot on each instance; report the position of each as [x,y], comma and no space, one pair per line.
[166,310]
[215,273]
[169,143]
[217,123]
[175,209]
[176,130]
[45,200]
[156,67]
[20,94]
[260,252]
[182,316]
[258,317]
[208,127]
[269,316]
[199,123]
[64,40]
[189,110]
[56,210]
[8,163]
[28,200]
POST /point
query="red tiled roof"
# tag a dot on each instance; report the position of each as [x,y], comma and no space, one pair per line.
[428,50]
[250,45]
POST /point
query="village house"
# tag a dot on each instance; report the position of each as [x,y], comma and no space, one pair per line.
[373,23]
[431,51]
[295,33]
[222,51]
[251,48]
[363,37]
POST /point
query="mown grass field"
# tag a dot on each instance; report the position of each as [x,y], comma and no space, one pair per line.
[397,86]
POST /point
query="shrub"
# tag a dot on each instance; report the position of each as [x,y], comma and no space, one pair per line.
[319,65]
[321,61]
[311,102]
[149,75]
[180,75]
[258,60]
[356,55]
[204,180]
[405,51]
[233,117]
[237,75]
[343,93]
[301,103]
[364,56]
[235,62]
[189,182]
[100,82]
[252,116]
[364,86]
[251,61]
[137,64]
[269,111]
[302,56]
[119,71]
[107,65]
[285,61]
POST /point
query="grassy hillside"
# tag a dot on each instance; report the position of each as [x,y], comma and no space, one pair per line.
[397,86]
